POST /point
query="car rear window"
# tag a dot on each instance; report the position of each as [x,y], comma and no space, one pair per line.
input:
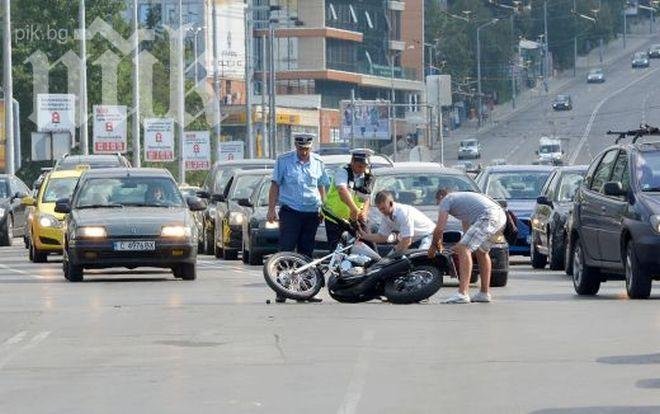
[519,185]
[58,188]
[244,186]
[419,189]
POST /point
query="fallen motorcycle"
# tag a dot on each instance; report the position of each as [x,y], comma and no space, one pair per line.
[356,273]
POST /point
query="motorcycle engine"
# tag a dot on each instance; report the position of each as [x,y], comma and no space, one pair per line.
[353,266]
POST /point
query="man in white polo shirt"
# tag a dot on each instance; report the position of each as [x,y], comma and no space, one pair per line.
[414,227]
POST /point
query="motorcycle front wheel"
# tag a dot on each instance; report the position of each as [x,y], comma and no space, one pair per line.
[421,283]
[279,274]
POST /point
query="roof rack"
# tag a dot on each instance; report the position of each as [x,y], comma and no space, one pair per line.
[635,133]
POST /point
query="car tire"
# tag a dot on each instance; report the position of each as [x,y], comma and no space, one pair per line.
[216,249]
[538,260]
[208,246]
[176,271]
[586,279]
[556,254]
[72,273]
[36,255]
[499,279]
[638,279]
[255,258]
[230,254]
[245,256]
[187,271]
[8,234]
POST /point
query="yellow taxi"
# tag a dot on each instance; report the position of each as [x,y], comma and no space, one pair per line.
[44,235]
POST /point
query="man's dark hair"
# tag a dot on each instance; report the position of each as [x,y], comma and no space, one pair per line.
[442,192]
[383,196]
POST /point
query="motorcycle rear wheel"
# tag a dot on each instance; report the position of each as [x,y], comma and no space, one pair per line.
[297,287]
[421,283]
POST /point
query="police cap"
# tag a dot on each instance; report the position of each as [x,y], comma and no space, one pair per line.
[361,155]
[303,140]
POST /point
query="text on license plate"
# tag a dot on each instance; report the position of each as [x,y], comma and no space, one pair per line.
[138,245]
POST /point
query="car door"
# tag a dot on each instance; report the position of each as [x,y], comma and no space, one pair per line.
[543,212]
[18,209]
[613,210]
[591,205]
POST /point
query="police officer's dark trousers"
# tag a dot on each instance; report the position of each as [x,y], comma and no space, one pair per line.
[297,230]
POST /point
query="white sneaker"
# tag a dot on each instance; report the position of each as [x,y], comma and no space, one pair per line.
[458,298]
[481,297]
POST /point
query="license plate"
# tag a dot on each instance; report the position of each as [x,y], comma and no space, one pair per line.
[137,245]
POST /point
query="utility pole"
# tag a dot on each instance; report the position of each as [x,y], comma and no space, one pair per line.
[8,89]
[181,97]
[84,138]
[392,108]
[575,35]
[249,74]
[264,88]
[272,105]
[216,80]
[625,25]
[136,88]
[513,63]
[546,59]
[479,93]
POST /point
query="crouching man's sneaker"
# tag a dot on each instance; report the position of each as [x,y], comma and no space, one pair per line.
[458,298]
[482,297]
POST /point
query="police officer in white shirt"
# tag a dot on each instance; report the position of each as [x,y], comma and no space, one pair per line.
[414,227]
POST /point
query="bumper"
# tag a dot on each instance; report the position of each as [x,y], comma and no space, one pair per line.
[48,239]
[522,245]
[101,254]
[467,154]
[265,241]
[647,244]
[561,107]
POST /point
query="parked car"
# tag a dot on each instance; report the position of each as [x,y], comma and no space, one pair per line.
[198,216]
[333,149]
[519,186]
[129,218]
[13,213]
[417,186]
[550,214]
[215,184]
[654,51]
[562,103]
[229,215]
[469,148]
[615,228]
[92,161]
[596,76]
[260,237]
[640,60]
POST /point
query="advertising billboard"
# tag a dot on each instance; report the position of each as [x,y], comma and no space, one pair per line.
[109,129]
[230,35]
[159,139]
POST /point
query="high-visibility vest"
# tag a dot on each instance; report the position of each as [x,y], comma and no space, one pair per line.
[333,202]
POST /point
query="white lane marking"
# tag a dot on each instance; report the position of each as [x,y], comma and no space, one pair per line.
[36,340]
[590,124]
[15,339]
[358,377]
[12,270]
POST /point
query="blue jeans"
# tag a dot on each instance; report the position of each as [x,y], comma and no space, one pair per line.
[297,231]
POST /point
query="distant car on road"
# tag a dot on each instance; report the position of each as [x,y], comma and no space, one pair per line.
[654,51]
[562,103]
[596,76]
[129,218]
[519,186]
[469,148]
[550,215]
[640,60]
[615,231]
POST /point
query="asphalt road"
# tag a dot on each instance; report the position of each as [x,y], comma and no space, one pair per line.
[627,98]
[145,342]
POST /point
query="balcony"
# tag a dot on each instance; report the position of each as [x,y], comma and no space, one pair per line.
[375,70]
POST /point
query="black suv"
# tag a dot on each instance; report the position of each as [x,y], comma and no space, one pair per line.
[615,223]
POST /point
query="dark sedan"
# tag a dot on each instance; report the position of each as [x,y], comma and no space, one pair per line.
[519,186]
[129,218]
[13,213]
[260,238]
[562,103]
[229,215]
[550,215]
[216,184]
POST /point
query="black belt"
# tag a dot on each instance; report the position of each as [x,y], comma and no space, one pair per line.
[284,207]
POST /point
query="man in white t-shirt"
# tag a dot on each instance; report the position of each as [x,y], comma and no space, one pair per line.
[414,227]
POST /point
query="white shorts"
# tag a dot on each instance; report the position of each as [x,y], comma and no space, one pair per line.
[480,234]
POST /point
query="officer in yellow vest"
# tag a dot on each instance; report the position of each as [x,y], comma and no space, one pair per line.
[348,197]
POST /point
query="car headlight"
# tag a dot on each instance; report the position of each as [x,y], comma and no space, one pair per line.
[175,231]
[91,232]
[272,225]
[48,221]
[236,218]
[655,223]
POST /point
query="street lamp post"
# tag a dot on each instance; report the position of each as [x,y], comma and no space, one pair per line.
[216,79]
[195,31]
[249,72]
[181,98]
[136,88]
[84,138]
[479,94]
[8,89]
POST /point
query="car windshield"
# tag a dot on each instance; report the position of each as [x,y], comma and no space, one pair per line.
[647,167]
[568,185]
[519,185]
[58,188]
[223,175]
[244,186]
[548,149]
[418,189]
[596,72]
[129,191]
[640,56]
[468,143]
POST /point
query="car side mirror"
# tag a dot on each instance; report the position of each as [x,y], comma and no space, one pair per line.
[63,206]
[203,194]
[196,204]
[218,198]
[19,194]
[613,189]
[244,202]
[544,200]
[29,201]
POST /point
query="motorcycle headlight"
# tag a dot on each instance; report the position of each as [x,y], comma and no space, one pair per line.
[655,223]
[91,232]
[175,231]
[48,221]
[236,218]
[272,225]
